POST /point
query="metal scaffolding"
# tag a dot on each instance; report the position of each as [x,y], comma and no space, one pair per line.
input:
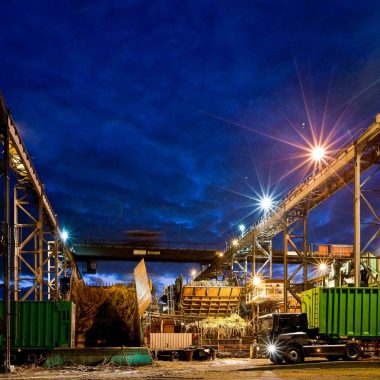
[37,255]
[290,216]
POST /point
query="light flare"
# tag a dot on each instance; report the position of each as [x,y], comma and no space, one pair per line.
[257,280]
[266,203]
[318,153]
[64,235]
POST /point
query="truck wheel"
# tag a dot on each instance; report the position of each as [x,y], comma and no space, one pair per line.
[293,355]
[352,352]
[276,359]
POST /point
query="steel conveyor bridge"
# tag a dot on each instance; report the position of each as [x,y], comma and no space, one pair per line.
[336,172]
[32,244]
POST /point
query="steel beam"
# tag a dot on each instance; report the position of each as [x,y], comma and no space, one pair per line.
[357,192]
[286,285]
[6,242]
[305,250]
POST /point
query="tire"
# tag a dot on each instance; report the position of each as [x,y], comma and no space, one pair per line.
[293,355]
[276,359]
[352,352]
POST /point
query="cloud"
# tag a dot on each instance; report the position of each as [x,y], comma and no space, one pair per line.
[121,104]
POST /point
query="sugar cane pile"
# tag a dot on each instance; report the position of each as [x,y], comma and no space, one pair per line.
[225,328]
[106,316]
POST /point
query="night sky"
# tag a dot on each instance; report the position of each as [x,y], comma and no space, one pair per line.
[173,116]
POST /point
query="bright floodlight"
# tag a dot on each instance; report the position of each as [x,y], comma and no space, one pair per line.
[64,235]
[221,254]
[193,272]
[235,242]
[266,203]
[242,228]
[256,280]
[318,153]
[272,348]
[322,267]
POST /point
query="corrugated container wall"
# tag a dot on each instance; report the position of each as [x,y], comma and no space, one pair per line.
[343,312]
[168,340]
[41,324]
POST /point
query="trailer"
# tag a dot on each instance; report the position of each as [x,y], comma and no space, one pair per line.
[335,323]
[178,346]
[37,327]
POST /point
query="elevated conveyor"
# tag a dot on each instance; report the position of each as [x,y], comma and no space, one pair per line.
[330,177]
[38,254]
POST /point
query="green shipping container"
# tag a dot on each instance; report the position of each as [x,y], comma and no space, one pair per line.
[40,324]
[343,312]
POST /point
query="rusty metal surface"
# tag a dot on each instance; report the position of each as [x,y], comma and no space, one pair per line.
[170,340]
[210,301]
[143,293]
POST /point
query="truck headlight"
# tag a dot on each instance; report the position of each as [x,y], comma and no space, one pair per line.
[272,348]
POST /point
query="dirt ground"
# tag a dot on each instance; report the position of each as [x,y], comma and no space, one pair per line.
[219,369]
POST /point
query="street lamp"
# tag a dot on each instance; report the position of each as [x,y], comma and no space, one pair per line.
[318,153]
[266,203]
[322,268]
[242,228]
[235,242]
[256,280]
[64,235]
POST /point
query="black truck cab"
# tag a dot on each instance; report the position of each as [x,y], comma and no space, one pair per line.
[281,336]
[286,337]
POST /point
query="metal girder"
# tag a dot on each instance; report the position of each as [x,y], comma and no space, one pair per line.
[329,178]
[320,185]
[291,239]
[267,254]
[33,249]
[37,259]
[24,169]
[6,239]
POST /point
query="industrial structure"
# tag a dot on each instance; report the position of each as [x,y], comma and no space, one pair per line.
[239,280]
[290,217]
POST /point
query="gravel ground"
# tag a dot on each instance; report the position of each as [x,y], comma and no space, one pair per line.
[220,369]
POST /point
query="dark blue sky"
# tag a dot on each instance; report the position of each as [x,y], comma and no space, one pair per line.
[123,106]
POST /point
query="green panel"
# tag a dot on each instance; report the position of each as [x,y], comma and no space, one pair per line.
[39,324]
[125,356]
[343,312]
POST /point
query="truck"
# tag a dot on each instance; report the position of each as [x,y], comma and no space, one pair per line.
[334,323]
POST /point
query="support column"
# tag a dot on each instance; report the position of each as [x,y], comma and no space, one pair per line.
[40,237]
[286,267]
[16,258]
[57,269]
[254,258]
[357,218]
[270,251]
[6,246]
[305,252]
